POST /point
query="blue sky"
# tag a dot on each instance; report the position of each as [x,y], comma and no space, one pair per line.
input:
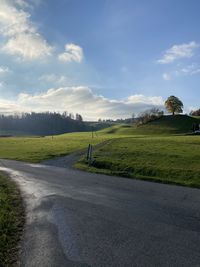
[107,58]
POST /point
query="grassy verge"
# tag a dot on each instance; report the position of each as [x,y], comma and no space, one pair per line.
[11,221]
[173,159]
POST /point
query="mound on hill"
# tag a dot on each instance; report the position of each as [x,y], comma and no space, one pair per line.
[165,125]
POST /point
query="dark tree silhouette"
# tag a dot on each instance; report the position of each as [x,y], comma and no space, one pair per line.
[174,105]
[43,123]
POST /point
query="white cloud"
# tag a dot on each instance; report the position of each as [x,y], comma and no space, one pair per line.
[178,52]
[72,53]
[152,100]
[82,100]
[22,3]
[9,107]
[21,36]
[166,76]
[53,78]
[13,20]
[190,70]
[4,70]
[187,70]
[28,46]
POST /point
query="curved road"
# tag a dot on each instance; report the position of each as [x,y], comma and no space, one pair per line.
[81,219]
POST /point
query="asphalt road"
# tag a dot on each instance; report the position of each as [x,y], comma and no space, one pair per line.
[80,219]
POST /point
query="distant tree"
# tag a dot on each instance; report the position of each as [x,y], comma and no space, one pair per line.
[133,117]
[149,115]
[174,105]
[71,116]
[46,123]
[195,112]
[65,114]
[79,117]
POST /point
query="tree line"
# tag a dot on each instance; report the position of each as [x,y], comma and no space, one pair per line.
[43,123]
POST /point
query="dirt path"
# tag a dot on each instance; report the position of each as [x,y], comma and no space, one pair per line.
[69,160]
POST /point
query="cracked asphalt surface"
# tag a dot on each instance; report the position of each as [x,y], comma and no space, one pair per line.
[76,218]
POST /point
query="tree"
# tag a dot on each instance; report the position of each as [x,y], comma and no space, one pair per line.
[195,112]
[149,115]
[78,117]
[133,117]
[174,105]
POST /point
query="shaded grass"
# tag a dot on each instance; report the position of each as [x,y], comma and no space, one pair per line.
[165,125]
[11,221]
[174,159]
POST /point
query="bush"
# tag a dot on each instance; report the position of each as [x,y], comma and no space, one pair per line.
[149,115]
[195,112]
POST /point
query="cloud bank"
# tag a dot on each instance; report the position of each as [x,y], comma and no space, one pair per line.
[80,100]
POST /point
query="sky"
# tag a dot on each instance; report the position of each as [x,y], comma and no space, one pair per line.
[100,58]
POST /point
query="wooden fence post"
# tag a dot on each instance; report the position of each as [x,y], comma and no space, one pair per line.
[88,152]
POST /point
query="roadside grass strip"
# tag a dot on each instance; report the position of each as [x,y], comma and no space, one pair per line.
[11,221]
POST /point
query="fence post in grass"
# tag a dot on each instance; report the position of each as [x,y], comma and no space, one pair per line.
[91,148]
[88,152]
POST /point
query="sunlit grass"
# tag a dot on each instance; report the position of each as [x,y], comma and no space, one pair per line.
[161,157]
[172,159]
[37,149]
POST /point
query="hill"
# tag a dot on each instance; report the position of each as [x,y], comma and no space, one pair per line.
[165,125]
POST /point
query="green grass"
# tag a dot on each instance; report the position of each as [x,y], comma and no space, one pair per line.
[174,159]
[35,150]
[166,125]
[153,151]
[11,221]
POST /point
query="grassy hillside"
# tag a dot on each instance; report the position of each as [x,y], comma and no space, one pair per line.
[171,159]
[155,151]
[166,125]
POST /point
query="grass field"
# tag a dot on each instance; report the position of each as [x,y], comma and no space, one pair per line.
[11,221]
[154,151]
[32,149]
[174,159]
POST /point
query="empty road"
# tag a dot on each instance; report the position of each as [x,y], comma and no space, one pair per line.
[76,218]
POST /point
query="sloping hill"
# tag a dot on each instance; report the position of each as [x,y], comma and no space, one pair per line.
[166,125]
